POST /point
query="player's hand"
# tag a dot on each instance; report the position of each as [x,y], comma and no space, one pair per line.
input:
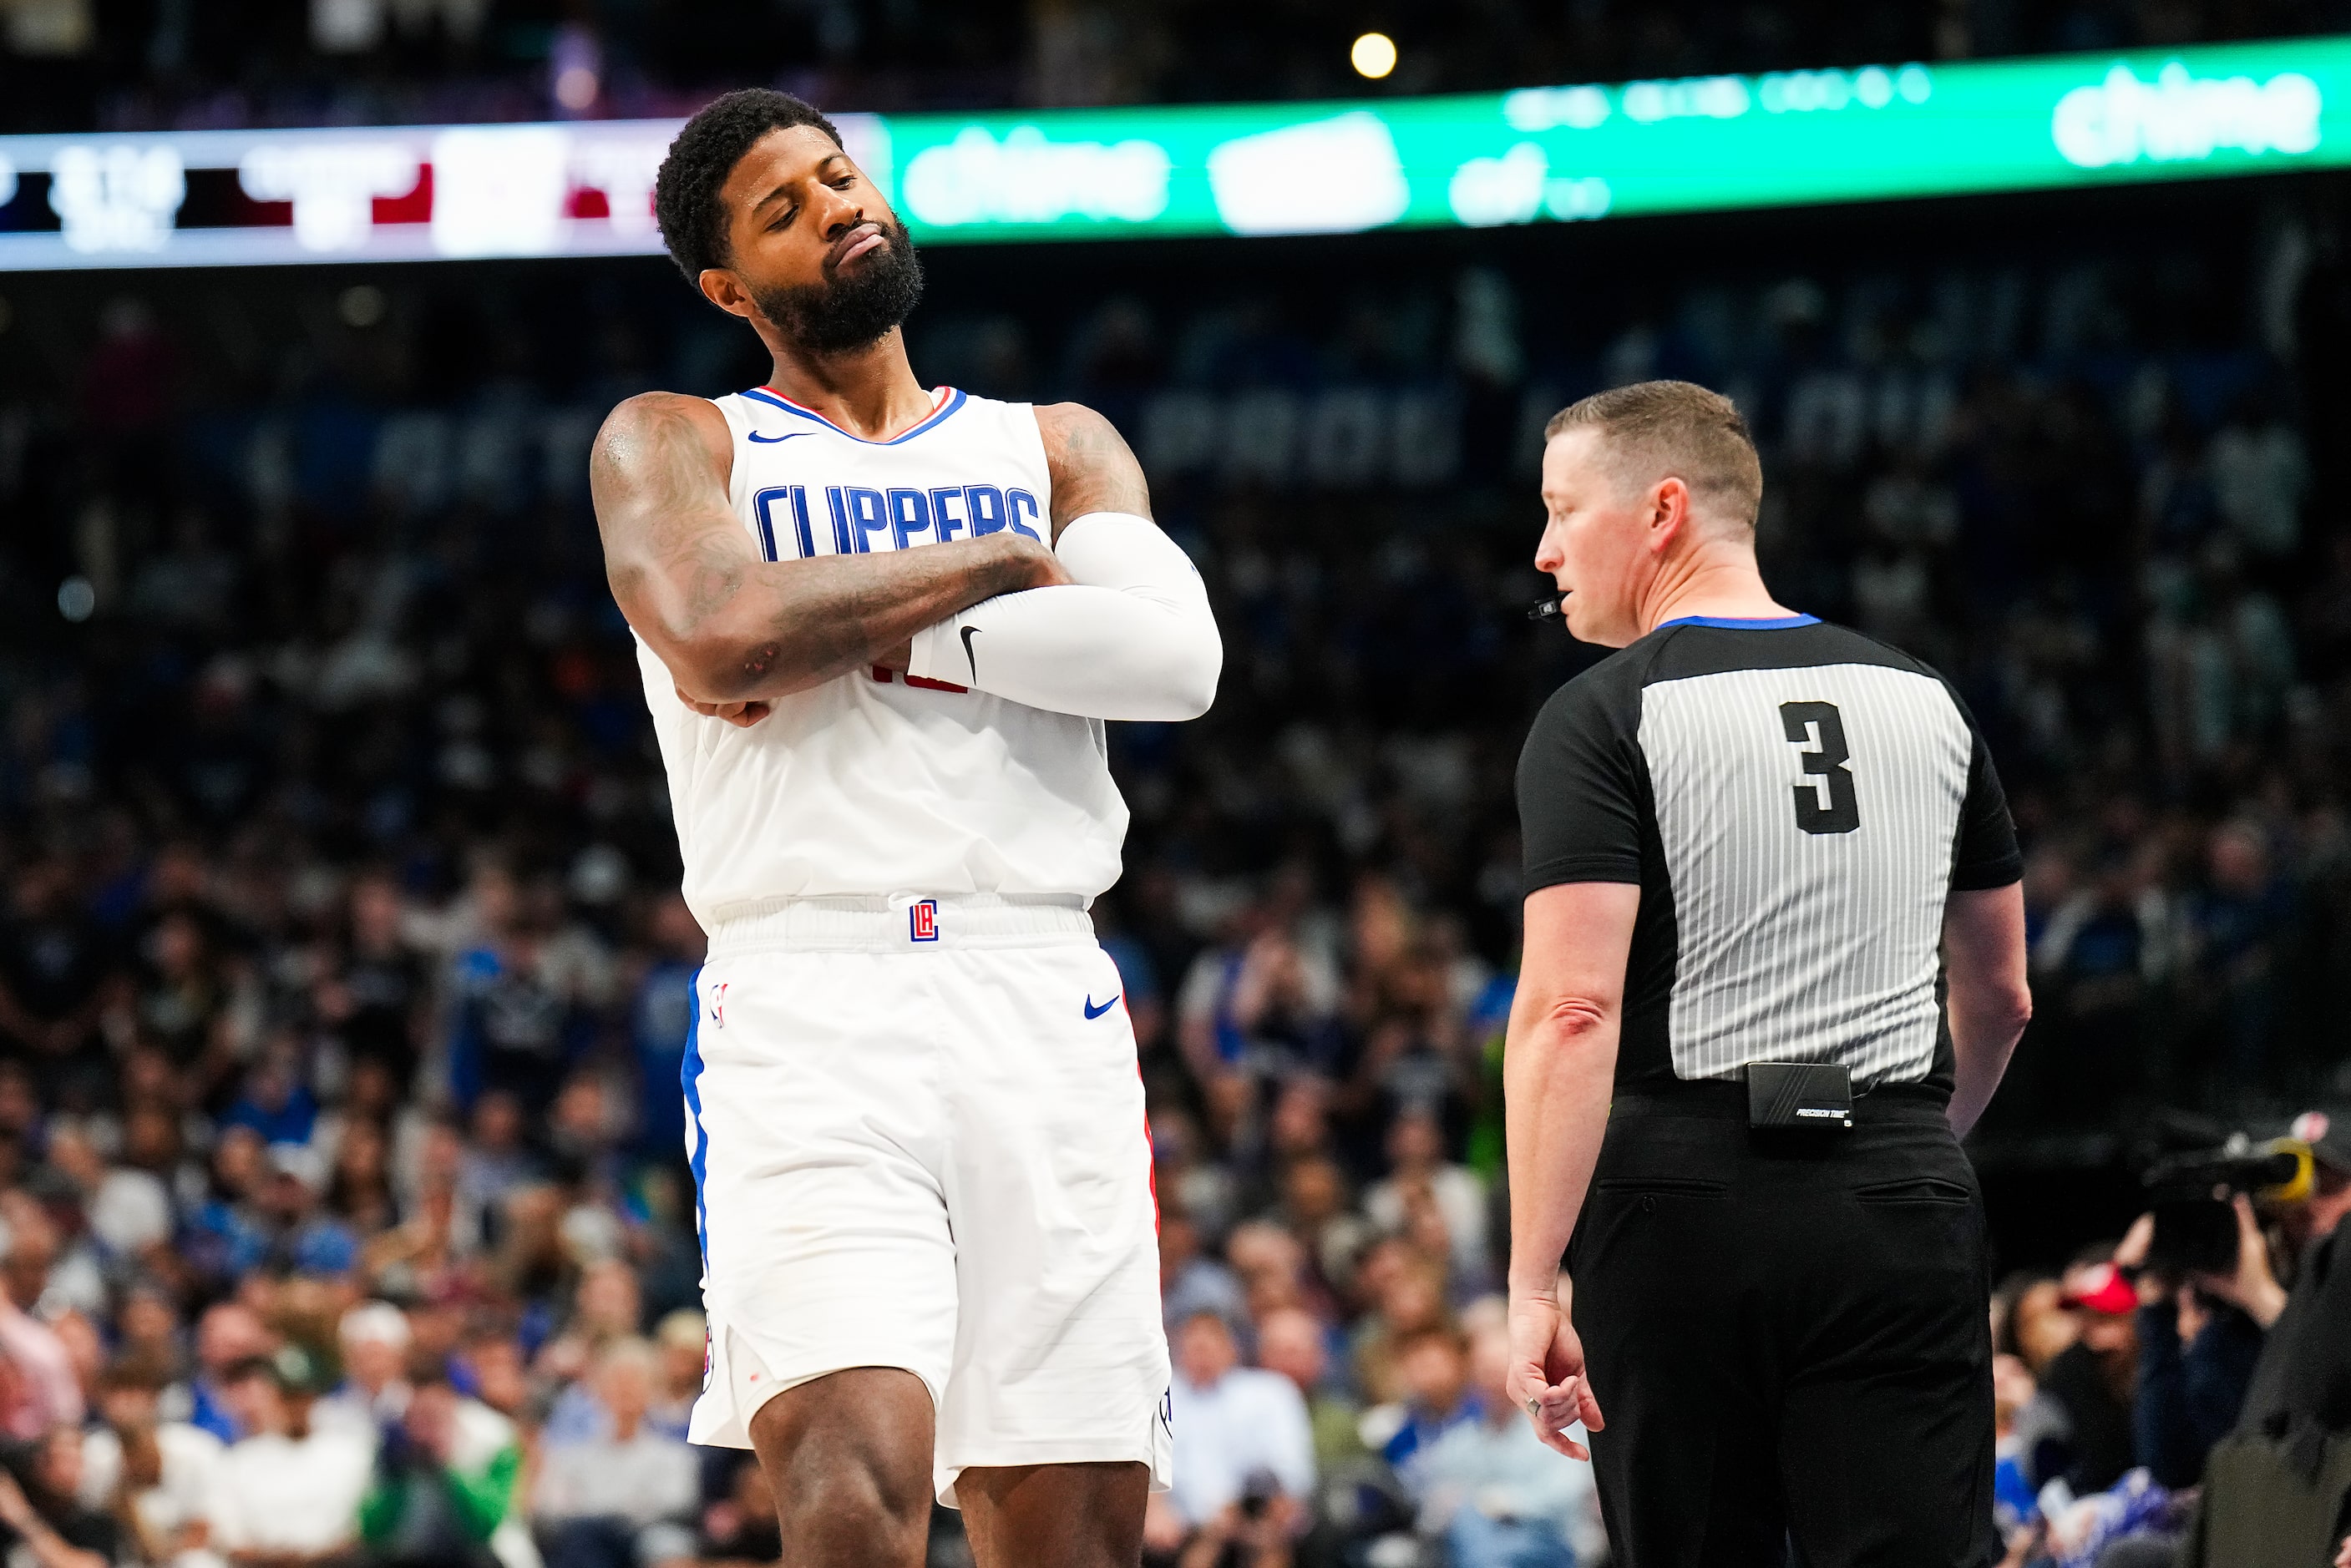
[1547,1376]
[1044,567]
[742,716]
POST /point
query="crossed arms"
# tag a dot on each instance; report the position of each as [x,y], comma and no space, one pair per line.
[1109,622]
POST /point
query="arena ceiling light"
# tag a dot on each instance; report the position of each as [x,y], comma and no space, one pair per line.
[1374,55]
[1570,154]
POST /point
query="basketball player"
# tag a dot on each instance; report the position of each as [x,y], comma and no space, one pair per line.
[880,628]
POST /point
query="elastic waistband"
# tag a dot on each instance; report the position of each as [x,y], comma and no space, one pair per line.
[901,922]
[1725,1099]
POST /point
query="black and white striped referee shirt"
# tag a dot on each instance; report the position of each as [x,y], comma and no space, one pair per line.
[1796,802]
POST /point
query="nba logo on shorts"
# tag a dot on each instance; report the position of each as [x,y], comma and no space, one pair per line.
[922,921]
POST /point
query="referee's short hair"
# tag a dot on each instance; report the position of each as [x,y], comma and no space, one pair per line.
[1658,429]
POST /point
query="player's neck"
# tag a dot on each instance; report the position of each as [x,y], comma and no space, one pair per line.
[1719,580]
[871,392]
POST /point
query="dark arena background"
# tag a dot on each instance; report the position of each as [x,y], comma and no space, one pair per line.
[325,774]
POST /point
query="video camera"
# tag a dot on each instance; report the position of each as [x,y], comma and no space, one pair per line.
[2189,1194]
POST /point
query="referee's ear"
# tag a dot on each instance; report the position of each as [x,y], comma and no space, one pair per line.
[1670,513]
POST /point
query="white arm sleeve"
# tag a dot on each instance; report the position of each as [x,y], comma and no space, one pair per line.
[1132,638]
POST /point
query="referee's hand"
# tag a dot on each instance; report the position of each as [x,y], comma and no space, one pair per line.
[1547,1374]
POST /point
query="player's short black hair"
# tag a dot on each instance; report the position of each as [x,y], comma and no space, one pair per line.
[686,192]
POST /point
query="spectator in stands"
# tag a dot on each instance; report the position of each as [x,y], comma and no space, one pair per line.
[2039,1325]
[275,1099]
[2195,1356]
[159,1477]
[1245,1461]
[683,1337]
[374,1339]
[228,1233]
[1190,1284]
[1433,1370]
[1406,1289]
[29,1529]
[444,1483]
[2016,1465]
[1291,1342]
[53,1480]
[661,1017]
[740,1529]
[497,1160]
[607,1310]
[2093,1379]
[288,1493]
[1417,1163]
[360,1196]
[1490,1489]
[623,1497]
[41,1392]
[520,1000]
[1315,1209]
[299,1237]
[2237,926]
[53,972]
[375,998]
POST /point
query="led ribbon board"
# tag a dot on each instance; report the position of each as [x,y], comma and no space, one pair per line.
[1539,154]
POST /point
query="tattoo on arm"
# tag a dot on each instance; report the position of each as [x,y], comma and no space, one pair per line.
[1091,467]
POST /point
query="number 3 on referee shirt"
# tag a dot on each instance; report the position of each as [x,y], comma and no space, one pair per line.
[1825,801]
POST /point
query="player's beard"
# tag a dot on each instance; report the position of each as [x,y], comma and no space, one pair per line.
[850,310]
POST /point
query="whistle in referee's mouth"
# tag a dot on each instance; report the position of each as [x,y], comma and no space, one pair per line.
[1550,609]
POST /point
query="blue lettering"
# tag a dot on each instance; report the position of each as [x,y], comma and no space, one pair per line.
[762,507]
[800,521]
[840,545]
[867,517]
[946,522]
[984,505]
[1021,500]
[910,512]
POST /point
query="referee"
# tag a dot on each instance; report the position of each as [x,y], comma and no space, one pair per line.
[1755,843]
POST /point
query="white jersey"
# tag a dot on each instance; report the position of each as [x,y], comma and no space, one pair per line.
[871,784]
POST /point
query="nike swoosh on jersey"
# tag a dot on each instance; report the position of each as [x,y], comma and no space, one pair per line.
[1093,1012]
[968,633]
[770,441]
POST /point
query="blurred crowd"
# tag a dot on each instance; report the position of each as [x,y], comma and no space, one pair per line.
[2163,1402]
[343,983]
[69,65]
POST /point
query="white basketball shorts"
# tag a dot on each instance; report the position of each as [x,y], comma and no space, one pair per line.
[917,1137]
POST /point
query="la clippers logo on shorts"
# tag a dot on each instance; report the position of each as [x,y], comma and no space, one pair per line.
[922,921]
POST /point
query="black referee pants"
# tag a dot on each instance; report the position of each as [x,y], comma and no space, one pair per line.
[1788,1336]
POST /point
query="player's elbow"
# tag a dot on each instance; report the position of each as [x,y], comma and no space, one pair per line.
[1192,678]
[715,667]
[1183,661]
